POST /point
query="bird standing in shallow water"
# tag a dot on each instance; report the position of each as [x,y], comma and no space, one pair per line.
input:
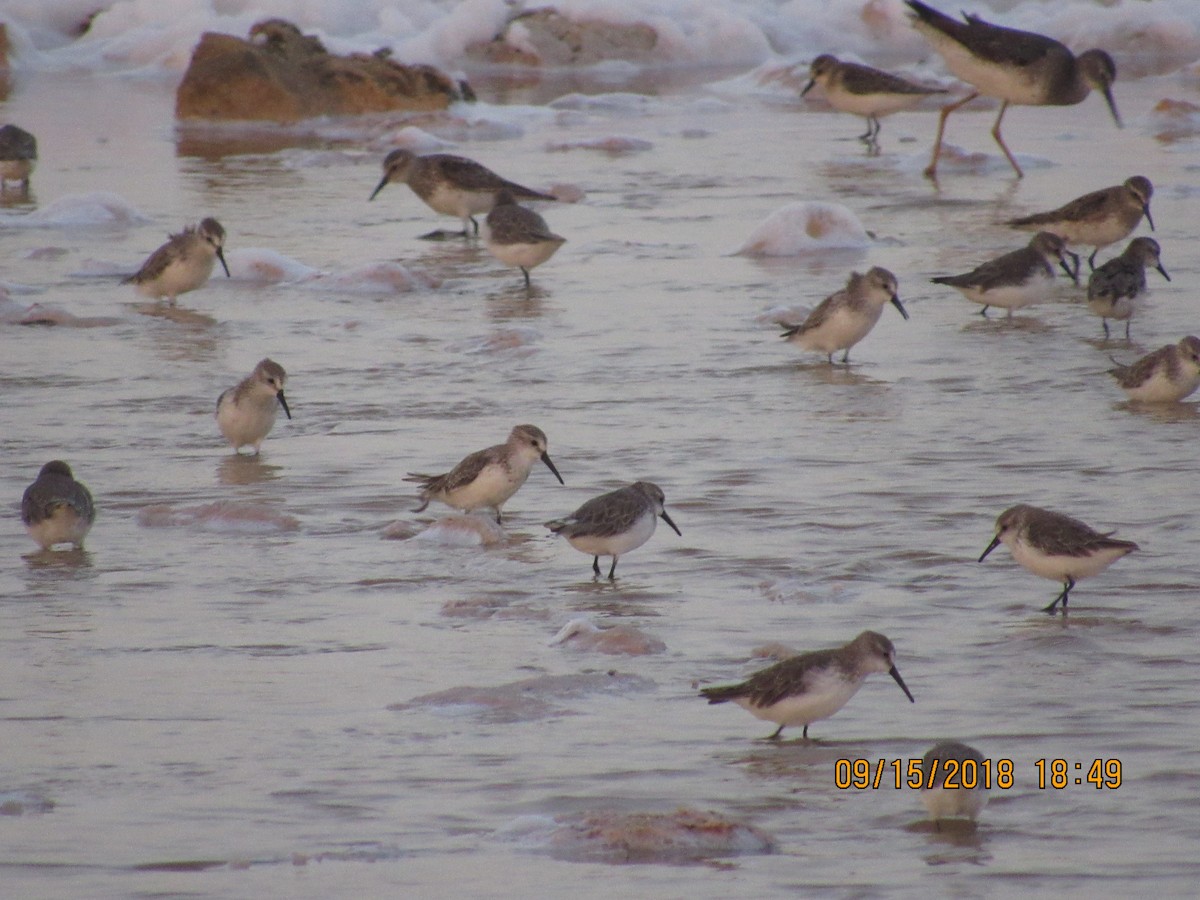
[844,318]
[487,478]
[864,91]
[451,185]
[246,413]
[960,766]
[802,689]
[183,263]
[1014,280]
[1096,219]
[615,523]
[1115,286]
[57,509]
[18,156]
[1167,375]
[1013,66]
[1055,546]
[518,236]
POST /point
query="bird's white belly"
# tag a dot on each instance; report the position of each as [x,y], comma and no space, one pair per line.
[63,526]
[829,694]
[841,331]
[246,423]
[15,169]
[527,256]
[618,544]
[1057,568]
[489,490]
[179,277]
[1159,388]
[955,803]
[871,104]
[1105,307]
[987,78]
[453,201]
[1014,296]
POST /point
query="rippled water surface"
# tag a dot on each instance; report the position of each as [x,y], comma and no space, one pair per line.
[259,680]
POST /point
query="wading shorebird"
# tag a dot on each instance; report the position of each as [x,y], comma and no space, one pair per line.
[488,478]
[57,509]
[183,263]
[803,689]
[1015,67]
[1055,546]
[246,412]
[451,185]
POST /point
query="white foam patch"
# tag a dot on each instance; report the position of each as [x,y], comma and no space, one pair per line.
[158,37]
[373,278]
[264,266]
[100,209]
[806,227]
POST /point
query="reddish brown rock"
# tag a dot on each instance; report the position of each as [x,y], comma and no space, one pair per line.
[281,75]
[545,37]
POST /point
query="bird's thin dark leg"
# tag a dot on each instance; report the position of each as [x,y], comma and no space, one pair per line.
[474,226]
[612,571]
[983,312]
[846,357]
[931,169]
[1067,585]
[1128,322]
[525,272]
[1104,322]
[499,521]
[804,733]
[778,732]
[1092,260]
[1000,140]
[596,564]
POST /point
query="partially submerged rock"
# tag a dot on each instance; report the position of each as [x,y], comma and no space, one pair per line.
[282,75]
[545,37]
[684,836]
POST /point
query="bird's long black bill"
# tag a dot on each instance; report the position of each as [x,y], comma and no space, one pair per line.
[667,519]
[550,466]
[1112,106]
[895,673]
[808,87]
[1072,273]
[1163,272]
[990,547]
[283,403]
[379,187]
[900,306]
[224,265]
[1149,220]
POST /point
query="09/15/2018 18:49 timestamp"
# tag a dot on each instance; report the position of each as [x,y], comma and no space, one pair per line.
[866,774]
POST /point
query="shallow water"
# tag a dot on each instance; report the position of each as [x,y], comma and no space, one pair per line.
[225,708]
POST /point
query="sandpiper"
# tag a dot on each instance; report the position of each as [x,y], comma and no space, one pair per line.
[518,236]
[1013,66]
[802,689]
[451,185]
[246,413]
[844,318]
[962,765]
[1097,219]
[1115,286]
[615,523]
[1167,375]
[1055,546]
[1014,280]
[18,156]
[57,509]
[853,88]
[183,263]
[488,478]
